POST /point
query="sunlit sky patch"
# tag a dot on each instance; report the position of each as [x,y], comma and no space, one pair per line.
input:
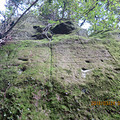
[2,7]
[86,25]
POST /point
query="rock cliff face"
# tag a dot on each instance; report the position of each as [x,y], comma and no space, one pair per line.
[60,80]
[70,78]
[24,29]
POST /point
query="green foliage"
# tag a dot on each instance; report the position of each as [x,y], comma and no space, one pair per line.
[52,22]
[101,14]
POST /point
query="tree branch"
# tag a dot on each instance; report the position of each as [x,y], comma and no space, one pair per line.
[92,8]
[82,23]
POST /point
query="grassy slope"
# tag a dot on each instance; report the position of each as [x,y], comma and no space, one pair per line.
[28,92]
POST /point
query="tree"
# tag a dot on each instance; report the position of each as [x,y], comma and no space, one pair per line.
[93,11]
[101,14]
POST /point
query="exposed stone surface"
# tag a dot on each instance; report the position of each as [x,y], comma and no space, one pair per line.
[74,61]
[24,29]
[82,32]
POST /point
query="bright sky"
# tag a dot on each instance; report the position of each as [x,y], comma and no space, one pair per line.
[2,3]
[86,25]
[2,7]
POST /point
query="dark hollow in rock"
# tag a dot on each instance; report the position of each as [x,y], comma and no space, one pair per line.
[63,28]
[109,77]
[84,69]
[62,78]
[103,51]
[87,61]
[38,28]
[23,59]
[117,69]
[102,60]
[23,68]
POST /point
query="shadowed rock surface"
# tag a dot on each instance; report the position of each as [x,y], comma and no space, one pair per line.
[40,36]
[63,28]
[24,29]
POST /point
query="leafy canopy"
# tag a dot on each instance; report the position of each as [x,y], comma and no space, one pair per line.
[100,14]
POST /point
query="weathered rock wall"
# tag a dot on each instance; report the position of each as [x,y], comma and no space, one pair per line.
[24,29]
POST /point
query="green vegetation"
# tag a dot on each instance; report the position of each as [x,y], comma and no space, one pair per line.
[28,91]
[106,34]
[36,85]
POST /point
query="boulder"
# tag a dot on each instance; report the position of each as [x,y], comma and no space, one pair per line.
[63,28]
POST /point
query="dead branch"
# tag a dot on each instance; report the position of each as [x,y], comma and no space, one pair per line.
[46,30]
